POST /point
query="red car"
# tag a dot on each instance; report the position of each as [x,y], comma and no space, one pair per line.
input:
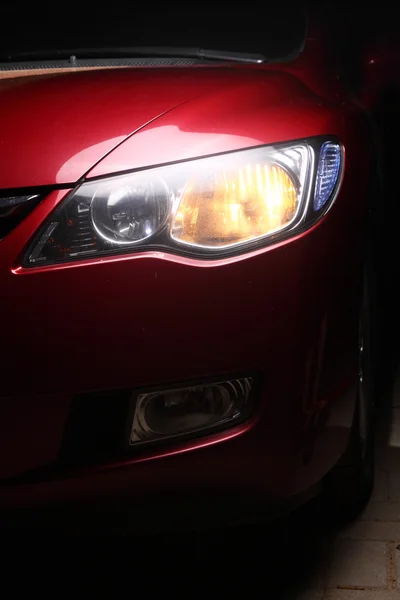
[186,273]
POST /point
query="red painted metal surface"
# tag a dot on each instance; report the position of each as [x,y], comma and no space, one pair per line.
[154,318]
[58,126]
[242,108]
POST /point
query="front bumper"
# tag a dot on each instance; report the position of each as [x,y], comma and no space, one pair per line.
[288,313]
[228,478]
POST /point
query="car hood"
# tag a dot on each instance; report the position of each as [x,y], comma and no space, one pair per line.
[61,127]
[58,126]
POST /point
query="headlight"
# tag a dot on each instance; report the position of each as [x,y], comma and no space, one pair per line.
[208,207]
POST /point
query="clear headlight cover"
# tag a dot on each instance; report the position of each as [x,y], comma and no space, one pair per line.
[207,207]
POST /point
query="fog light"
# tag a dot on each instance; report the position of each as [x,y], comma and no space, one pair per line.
[171,413]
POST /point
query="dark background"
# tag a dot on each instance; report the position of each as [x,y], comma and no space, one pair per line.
[274,30]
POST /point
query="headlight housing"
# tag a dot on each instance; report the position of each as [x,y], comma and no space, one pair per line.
[209,207]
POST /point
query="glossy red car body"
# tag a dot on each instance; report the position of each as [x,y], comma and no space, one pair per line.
[288,311]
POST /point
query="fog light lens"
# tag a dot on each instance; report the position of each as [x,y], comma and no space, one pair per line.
[167,414]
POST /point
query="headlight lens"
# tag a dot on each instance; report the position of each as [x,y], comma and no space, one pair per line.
[126,212]
[206,207]
[233,206]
